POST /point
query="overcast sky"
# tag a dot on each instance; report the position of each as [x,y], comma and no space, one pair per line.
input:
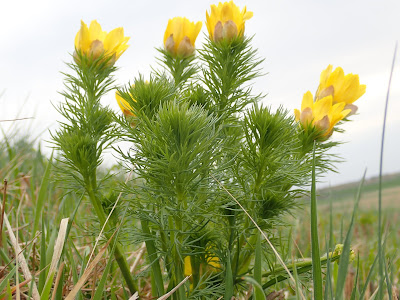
[298,39]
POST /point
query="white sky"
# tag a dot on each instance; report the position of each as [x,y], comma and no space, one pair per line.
[298,39]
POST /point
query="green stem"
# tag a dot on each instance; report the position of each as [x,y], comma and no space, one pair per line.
[118,254]
[258,294]
[246,256]
[303,264]
[153,259]
[179,266]
[195,264]
[316,261]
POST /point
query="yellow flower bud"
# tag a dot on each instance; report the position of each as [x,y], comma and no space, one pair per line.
[93,42]
[180,36]
[226,21]
[338,251]
[352,255]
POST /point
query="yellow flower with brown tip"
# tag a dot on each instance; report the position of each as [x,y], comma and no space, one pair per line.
[322,113]
[226,21]
[180,36]
[343,88]
[124,106]
[93,42]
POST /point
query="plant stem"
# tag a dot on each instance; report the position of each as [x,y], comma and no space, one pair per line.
[179,271]
[118,254]
[316,261]
[153,259]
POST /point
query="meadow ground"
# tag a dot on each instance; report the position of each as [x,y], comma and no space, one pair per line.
[31,198]
[338,202]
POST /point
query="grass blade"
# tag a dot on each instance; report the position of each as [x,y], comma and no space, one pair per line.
[42,195]
[100,288]
[6,279]
[167,295]
[344,259]
[58,249]
[328,277]
[87,272]
[366,284]
[228,278]
[20,257]
[258,292]
[58,280]
[153,259]
[296,279]
[388,279]
[316,261]
[42,265]
[47,287]
[353,293]
[258,289]
[381,253]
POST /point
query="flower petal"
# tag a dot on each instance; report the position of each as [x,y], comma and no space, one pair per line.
[308,101]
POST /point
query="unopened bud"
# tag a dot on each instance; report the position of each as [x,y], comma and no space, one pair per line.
[323,124]
[185,48]
[352,256]
[326,92]
[353,108]
[218,32]
[170,44]
[230,30]
[306,116]
[338,249]
[96,49]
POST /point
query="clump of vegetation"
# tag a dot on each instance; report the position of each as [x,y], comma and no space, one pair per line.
[197,206]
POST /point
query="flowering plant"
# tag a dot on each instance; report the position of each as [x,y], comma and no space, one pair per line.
[213,171]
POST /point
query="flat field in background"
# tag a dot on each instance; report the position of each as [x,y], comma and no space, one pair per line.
[343,195]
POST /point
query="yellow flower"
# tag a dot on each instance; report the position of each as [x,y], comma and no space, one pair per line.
[322,113]
[226,21]
[92,42]
[124,105]
[180,35]
[188,266]
[213,263]
[343,88]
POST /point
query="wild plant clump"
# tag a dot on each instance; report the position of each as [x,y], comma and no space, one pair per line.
[212,170]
